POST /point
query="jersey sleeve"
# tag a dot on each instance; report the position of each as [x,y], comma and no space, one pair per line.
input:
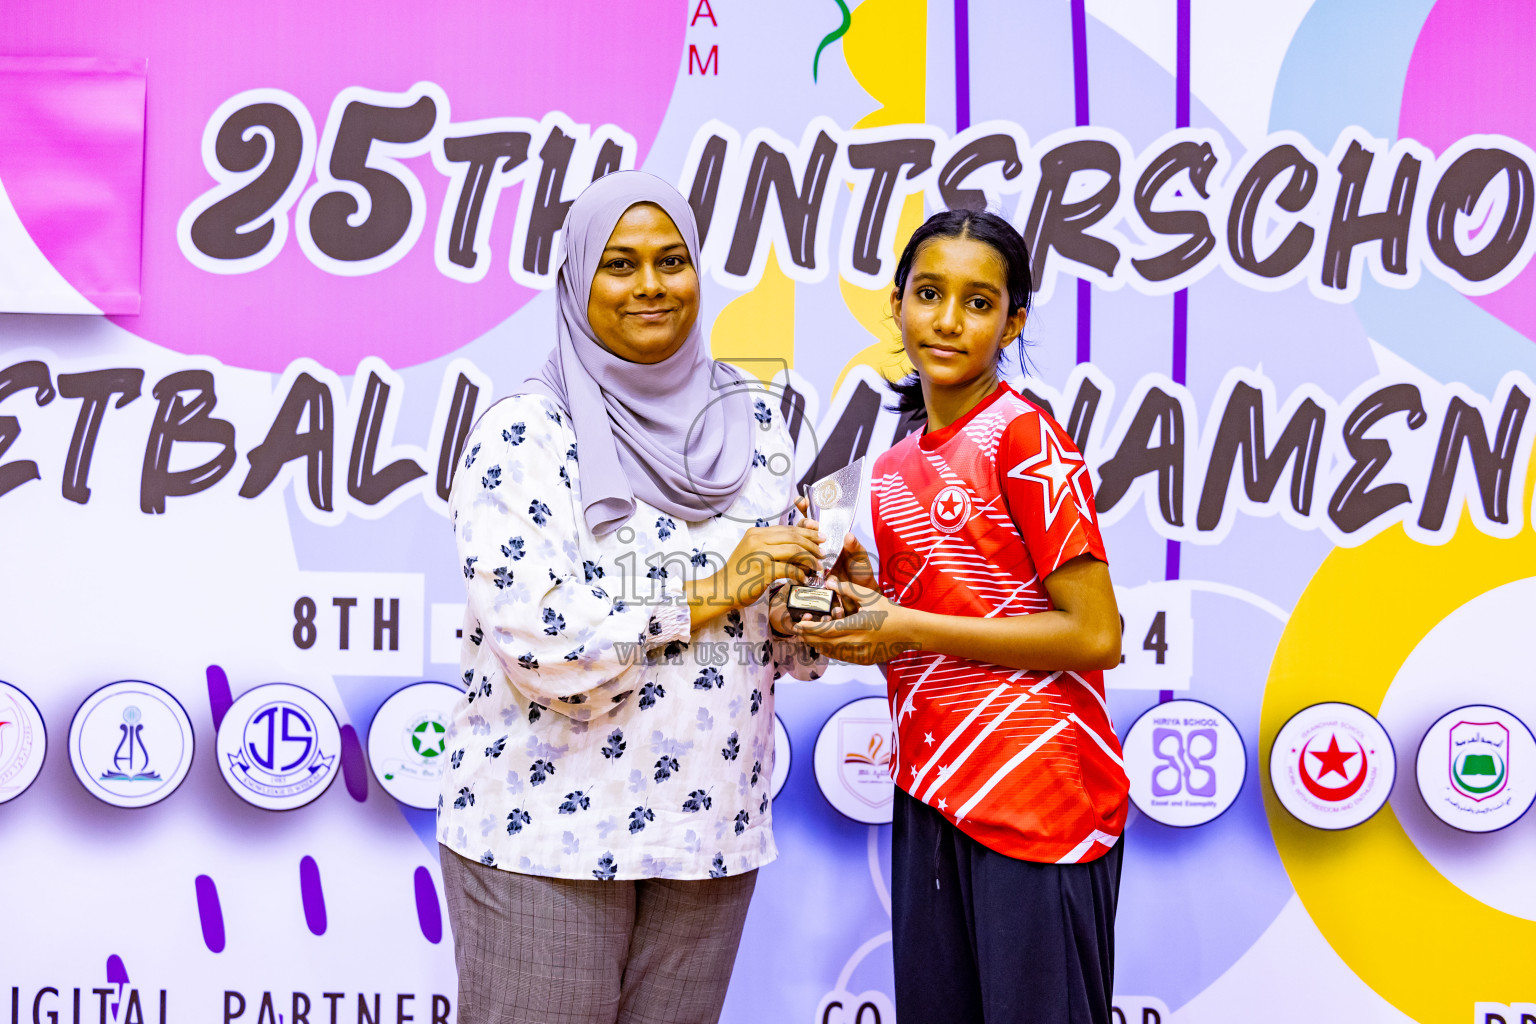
[1049,493]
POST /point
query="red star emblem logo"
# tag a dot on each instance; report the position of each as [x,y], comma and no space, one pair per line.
[1056,470]
[950,509]
[1332,760]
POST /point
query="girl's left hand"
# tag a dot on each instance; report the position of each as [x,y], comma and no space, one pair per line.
[872,628]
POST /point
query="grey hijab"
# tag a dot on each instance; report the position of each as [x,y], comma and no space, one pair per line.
[675,434]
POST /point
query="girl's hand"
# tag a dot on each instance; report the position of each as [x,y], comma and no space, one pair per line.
[781,620]
[854,563]
[871,630]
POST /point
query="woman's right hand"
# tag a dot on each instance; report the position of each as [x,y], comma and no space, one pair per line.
[764,554]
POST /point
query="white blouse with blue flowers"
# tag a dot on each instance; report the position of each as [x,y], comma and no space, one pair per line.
[597,739]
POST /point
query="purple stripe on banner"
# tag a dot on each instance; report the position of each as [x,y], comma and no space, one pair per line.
[1080,116]
[1181,69]
[1180,298]
[219,697]
[209,914]
[1080,59]
[312,895]
[354,766]
[962,65]
[428,913]
[1084,320]
[1180,335]
[1181,116]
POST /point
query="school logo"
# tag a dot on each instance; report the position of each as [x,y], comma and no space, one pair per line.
[1186,763]
[951,509]
[853,760]
[1474,768]
[278,746]
[1332,766]
[23,742]
[131,744]
[408,742]
[1479,755]
[866,766]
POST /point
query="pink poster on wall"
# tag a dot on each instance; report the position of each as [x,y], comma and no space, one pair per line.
[71,184]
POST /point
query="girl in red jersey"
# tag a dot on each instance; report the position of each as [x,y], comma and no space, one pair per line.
[996,618]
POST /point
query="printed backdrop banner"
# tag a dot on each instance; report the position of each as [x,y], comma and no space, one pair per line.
[71,184]
[1285,307]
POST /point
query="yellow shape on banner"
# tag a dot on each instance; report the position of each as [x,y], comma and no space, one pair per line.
[756,331]
[887,52]
[1420,942]
[871,307]
[886,49]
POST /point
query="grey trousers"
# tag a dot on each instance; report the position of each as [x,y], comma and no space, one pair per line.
[535,950]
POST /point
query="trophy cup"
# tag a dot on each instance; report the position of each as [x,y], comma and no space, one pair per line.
[832,502]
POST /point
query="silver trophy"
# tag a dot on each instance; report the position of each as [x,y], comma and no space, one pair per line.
[832,501]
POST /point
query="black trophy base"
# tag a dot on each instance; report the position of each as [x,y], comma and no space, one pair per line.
[813,601]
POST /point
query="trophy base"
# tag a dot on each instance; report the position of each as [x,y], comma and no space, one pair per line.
[813,601]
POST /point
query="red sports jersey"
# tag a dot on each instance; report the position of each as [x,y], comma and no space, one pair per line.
[969,520]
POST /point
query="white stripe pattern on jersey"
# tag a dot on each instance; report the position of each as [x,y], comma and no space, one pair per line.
[1076,853]
[1008,767]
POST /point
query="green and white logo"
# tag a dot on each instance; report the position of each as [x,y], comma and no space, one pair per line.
[426,737]
[408,742]
[1475,768]
[1479,759]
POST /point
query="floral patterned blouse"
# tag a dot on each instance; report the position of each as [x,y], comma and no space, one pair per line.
[596,738]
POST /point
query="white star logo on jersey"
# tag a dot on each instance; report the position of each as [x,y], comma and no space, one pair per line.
[951,509]
[1055,469]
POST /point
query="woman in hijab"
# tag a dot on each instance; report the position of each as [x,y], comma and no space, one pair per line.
[619,524]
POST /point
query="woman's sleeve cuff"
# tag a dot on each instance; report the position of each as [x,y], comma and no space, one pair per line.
[670,621]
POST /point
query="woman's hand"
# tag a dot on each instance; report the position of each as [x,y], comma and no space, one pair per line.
[764,554]
[872,628]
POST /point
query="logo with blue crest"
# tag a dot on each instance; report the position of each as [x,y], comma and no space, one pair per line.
[278,746]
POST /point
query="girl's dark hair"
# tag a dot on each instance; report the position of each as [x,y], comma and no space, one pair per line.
[984,227]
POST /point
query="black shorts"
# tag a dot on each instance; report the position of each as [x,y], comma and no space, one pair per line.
[982,937]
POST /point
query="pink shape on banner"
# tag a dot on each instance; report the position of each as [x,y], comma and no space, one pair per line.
[72,162]
[1471,73]
[598,63]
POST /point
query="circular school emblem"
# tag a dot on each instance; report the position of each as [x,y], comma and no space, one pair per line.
[1332,766]
[1186,762]
[408,742]
[1474,768]
[23,742]
[853,761]
[827,493]
[131,744]
[278,746]
[951,509]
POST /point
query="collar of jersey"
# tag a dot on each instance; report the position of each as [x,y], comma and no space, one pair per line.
[934,439]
